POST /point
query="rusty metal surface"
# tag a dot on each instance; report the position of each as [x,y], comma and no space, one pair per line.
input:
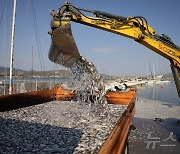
[123,98]
[116,140]
[62,94]
[14,101]
[63,49]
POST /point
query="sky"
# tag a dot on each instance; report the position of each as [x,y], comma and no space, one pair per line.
[111,53]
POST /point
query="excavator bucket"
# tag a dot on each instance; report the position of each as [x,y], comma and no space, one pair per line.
[63,49]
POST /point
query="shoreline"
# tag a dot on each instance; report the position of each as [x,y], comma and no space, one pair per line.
[157,128]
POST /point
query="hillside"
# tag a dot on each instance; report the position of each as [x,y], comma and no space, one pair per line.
[19,72]
[57,73]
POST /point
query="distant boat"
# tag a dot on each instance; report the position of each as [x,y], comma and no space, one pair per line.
[158,77]
[154,78]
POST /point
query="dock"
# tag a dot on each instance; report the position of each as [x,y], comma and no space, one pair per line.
[157,128]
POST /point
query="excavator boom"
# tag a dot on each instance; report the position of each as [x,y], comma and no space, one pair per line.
[135,28]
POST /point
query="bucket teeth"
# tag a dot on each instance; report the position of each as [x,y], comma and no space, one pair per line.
[63,49]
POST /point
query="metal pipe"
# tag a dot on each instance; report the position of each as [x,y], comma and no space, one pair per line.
[116,140]
[12,48]
[176,78]
[108,15]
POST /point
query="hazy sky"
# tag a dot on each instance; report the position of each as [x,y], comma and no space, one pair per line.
[111,53]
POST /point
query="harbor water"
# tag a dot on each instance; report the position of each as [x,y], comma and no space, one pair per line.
[163,91]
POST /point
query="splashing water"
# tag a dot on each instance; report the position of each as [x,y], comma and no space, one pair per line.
[89,84]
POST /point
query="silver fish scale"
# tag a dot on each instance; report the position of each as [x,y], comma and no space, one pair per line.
[56,127]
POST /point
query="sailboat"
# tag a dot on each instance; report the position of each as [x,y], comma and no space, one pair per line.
[158,77]
[154,78]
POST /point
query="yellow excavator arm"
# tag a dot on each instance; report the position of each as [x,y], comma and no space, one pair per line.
[135,28]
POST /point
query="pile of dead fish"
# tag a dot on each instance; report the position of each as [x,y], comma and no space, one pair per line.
[56,127]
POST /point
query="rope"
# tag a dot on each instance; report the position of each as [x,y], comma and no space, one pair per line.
[37,38]
[23,30]
[4,5]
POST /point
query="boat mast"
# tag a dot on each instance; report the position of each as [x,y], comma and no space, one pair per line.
[12,48]
[153,72]
[32,72]
[150,70]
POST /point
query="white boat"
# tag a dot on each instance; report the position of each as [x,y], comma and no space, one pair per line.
[158,77]
[134,83]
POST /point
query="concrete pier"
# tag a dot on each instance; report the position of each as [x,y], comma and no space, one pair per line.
[157,128]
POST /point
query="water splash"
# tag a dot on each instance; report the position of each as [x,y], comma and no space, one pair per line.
[90,89]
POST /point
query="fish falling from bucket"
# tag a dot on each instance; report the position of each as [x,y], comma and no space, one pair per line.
[89,84]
